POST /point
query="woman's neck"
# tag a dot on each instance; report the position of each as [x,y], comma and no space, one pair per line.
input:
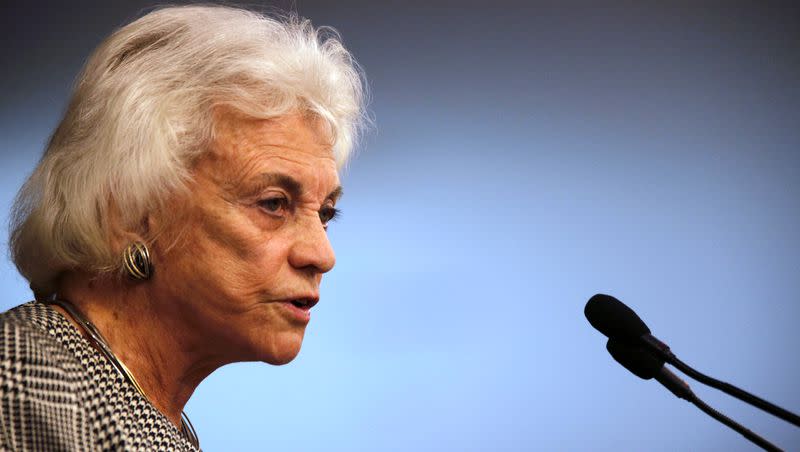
[160,352]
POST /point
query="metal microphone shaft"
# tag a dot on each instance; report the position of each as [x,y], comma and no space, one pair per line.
[619,322]
[747,433]
[740,394]
[647,365]
[663,350]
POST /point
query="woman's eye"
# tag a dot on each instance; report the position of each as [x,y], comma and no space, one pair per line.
[273,205]
[328,214]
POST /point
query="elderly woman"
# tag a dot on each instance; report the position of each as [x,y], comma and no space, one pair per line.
[176,223]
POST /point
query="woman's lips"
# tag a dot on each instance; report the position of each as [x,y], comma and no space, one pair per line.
[299,313]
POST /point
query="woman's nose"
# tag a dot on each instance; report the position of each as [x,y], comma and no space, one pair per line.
[311,248]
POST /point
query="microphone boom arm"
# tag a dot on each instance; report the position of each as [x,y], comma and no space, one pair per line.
[740,394]
[744,431]
[665,353]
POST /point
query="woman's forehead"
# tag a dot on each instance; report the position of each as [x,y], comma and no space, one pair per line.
[247,150]
[304,133]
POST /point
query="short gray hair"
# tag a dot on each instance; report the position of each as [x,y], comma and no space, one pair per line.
[141,113]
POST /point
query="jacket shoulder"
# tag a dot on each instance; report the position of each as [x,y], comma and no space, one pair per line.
[40,384]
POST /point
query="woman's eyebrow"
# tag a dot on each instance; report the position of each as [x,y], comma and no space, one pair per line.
[285,181]
[335,194]
[293,186]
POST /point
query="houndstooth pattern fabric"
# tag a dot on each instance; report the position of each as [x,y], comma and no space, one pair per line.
[57,393]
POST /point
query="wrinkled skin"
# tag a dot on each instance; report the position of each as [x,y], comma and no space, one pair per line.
[228,255]
[241,252]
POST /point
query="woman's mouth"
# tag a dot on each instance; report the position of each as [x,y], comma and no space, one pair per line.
[300,309]
[304,303]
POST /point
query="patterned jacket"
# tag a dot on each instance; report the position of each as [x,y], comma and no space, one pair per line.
[57,393]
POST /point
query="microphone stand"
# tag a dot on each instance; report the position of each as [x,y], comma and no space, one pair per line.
[744,431]
[740,394]
[663,350]
[643,364]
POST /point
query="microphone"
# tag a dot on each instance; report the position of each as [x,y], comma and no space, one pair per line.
[619,322]
[614,319]
[646,365]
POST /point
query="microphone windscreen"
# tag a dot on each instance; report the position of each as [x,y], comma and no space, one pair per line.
[615,320]
[641,362]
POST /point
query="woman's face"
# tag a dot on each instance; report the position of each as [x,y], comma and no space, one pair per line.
[242,261]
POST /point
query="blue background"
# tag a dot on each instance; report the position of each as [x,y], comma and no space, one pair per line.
[524,157]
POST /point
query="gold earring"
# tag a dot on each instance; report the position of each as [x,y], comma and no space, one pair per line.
[137,261]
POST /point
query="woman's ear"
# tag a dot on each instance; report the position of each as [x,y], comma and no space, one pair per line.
[119,234]
[162,227]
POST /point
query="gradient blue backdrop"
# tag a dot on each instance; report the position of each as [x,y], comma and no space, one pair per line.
[524,158]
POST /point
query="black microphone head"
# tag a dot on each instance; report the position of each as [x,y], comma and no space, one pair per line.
[641,362]
[615,320]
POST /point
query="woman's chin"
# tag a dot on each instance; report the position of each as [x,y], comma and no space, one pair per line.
[283,348]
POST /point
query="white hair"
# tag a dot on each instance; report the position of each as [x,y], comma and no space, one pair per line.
[141,114]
